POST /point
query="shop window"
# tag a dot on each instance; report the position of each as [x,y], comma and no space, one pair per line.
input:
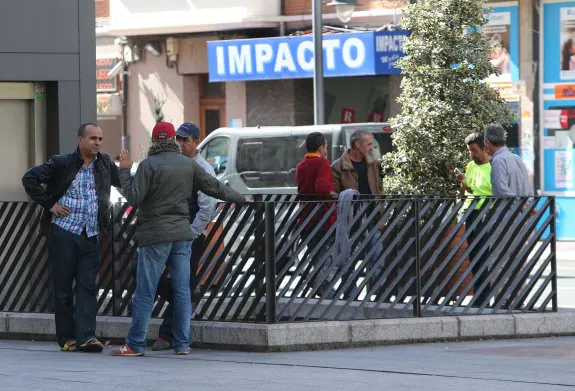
[211,90]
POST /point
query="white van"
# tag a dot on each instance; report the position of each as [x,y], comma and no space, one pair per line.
[262,160]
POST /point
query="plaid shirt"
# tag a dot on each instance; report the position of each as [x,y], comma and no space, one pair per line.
[82,200]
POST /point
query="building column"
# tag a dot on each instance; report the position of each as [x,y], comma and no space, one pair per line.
[526,60]
[236,102]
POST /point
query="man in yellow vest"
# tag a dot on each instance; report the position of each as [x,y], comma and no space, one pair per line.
[477,182]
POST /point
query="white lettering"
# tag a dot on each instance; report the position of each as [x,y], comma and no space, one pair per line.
[240,60]
[264,55]
[221,60]
[329,47]
[284,59]
[360,52]
[389,43]
[348,117]
[305,64]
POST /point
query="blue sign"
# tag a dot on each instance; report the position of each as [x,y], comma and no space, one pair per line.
[388,49]
[559,24]
[558,119]
[349,54]
[503,31]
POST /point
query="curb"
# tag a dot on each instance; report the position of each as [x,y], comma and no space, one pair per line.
[319,335]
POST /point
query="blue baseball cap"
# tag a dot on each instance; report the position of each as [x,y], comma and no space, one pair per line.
[188,129]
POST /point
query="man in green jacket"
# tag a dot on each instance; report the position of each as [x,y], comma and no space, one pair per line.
[163,183]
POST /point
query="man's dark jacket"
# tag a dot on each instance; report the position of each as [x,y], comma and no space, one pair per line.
[48,182]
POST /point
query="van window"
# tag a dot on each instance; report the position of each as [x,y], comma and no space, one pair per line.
[382,144]
[271,161]
[301,150]
[216,153]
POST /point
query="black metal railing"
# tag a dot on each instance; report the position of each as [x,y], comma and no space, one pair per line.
[281,260]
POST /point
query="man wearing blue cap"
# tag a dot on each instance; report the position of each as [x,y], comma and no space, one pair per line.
[202,210]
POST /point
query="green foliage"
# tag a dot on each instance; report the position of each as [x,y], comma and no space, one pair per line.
[444,96]
[157,109]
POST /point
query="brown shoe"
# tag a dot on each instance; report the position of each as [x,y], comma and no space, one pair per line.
[125,351]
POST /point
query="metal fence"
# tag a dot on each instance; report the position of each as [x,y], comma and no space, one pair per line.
[280,260]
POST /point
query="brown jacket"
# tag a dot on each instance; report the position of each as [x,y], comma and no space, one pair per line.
[345,177]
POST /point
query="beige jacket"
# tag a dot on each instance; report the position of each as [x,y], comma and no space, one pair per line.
[345,177]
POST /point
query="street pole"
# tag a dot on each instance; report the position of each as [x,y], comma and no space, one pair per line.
[318,91]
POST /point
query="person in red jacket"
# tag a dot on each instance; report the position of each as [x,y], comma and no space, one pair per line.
[315,183]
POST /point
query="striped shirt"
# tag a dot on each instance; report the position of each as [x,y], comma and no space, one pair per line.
[82,199]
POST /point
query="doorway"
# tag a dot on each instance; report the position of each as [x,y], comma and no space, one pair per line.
[212,105]
[212,117]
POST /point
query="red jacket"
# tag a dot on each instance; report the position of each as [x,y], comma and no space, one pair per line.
[315,182]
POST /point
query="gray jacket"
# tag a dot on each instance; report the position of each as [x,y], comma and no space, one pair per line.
[163,183]
[509,176]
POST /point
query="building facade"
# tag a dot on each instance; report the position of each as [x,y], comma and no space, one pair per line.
[110,102]
[46,84]
[172,74]
[169,66]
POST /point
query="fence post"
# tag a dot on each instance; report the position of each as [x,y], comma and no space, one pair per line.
[553,232]
[270,262]
[417,304]
[116,283]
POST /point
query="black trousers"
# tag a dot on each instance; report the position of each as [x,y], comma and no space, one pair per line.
[74,258]
[480,276]
[166,292]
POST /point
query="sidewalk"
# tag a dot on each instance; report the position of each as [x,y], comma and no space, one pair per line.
[566,251]
[510,365]
[320,335]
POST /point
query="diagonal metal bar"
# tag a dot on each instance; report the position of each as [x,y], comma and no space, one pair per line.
[509,263]
[380,263]
[339,275]
[223,290]
[515,267]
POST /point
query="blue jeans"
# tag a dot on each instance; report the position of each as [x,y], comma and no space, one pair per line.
[151,262]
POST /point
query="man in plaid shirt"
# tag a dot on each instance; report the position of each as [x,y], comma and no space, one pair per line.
[76,201]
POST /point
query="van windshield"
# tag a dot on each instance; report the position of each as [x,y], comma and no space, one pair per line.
[264,162]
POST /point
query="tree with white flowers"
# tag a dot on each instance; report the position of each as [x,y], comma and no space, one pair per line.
[444,97]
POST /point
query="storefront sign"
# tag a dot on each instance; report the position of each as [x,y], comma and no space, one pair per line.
[565,91]
[105,83]
[388,49]
[559,42]
[376,116]
[558,122]
[563,169]
[347,116]
[510,91]
[502,31]
[108,105]
[349,54]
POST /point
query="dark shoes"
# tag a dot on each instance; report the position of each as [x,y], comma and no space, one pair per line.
[161,344]
[183,352]
[91,346]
